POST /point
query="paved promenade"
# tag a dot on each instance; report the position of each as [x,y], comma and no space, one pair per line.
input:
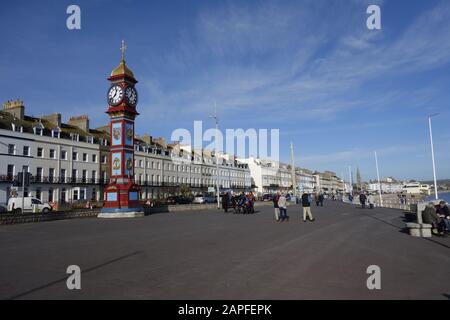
[212,255]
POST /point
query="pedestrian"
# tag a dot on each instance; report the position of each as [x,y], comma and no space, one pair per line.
[317,198]
[225,201]
[430,216]
[362,200]
[306,204]
[276,207]
[321,198]
[282,205]
[371,201]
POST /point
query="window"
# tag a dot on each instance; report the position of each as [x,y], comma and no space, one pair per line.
[75,194]
[82,194]
[94,158]
[51,174]
[26,150]
[103,159]
[40,152]
[141,163]
[38,173]
[63,154]
[10,172]
[85,157]
[56,133]
[11,149]
[93,175]
[16,128]
[63,195]
[39,129]
[52,154]
[63,175]
[75,136]
[84,175]
[38,196]
[90,139]
[74,156]
[50,195]
[74,174]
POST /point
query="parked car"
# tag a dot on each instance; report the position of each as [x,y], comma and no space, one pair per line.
[29,203]
[178,200]
[267,197]
[3,209]
[198,199]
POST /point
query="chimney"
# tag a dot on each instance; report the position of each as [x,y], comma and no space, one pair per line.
[161,141]
[147,138]
[54,118]
[81,122]
[15,107]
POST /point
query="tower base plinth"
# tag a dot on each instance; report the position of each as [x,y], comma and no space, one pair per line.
[121,213]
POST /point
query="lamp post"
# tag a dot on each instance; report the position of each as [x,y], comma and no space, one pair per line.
[379,181]
[432,155]
[216,119]
[294,178]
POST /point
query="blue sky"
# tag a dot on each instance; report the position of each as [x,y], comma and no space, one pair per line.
[310,68]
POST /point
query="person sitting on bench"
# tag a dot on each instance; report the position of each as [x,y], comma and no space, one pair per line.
[430,216]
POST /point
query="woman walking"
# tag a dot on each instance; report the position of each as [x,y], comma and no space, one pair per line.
[282,204]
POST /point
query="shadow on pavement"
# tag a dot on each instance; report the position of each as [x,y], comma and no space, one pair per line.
[20,295]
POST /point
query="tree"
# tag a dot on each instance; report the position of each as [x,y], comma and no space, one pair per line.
[184,190]
[358,179]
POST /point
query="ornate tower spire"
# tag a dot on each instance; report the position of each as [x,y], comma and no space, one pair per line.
[123,47]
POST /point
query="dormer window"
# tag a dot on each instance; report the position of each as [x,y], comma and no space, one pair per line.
[38,129]
[90,139]
[56,133]
[75,137]
[16,128]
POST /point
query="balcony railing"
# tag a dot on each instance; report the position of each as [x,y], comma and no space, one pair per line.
[55,180]
[93,181]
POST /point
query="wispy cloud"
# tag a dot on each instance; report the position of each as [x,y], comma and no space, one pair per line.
[269,59]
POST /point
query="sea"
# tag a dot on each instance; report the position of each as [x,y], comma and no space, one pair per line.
[444,196]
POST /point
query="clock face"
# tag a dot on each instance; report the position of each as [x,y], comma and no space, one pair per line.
[115,95]
[132,96]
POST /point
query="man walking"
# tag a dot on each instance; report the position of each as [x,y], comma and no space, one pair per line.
[321,198]
[225,201]
[362,200]
[275,199]
[306,204]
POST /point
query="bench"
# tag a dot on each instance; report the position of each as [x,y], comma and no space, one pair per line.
[419,229]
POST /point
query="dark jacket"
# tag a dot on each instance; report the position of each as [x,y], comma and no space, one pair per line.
[429,216]
[225,200]
[305,200]
[444,210]
[275,201]
[362,197]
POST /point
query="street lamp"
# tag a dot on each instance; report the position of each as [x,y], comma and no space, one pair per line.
[432,155]
[216,119]
[380,189]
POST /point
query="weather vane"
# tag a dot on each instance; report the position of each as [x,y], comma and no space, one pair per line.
[123,47]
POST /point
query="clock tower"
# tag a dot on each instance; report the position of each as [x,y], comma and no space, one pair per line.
[122,193]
